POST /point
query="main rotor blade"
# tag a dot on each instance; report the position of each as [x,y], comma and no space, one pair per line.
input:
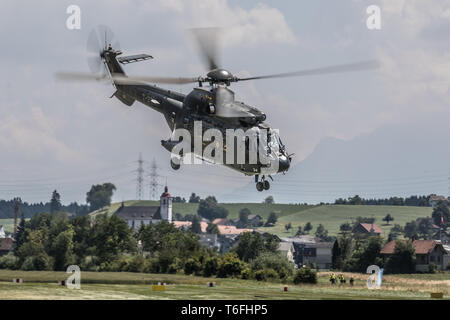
[137,80]
[363,65]
[206,39]
[79,76]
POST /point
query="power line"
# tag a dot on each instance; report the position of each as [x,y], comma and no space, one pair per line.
[153,179]
[140,177]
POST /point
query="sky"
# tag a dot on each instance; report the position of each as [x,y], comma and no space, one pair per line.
[68,136]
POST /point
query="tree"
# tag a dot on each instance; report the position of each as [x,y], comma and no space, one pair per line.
[411,230]
[55,202]
[308,227]
[269,200]
[100,195]
[112,236]
[243,215]
[345,227]
[396,230]
[356,200]
[61,249]
[441,210]
[20,235]
[251,245]
[196,227]
[269,260]
[403,259]
[388,218]
[299,231]
[321,232]
[212,228]
[194,198]
[288,226]
[209,209]
[424,228]
[336,258]
[271,220]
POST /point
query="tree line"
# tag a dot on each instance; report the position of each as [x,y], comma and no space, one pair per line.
[52,241]
[416,201]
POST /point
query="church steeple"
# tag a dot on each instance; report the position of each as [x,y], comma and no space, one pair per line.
[166,205]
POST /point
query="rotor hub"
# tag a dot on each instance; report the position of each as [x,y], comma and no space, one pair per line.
[220,75]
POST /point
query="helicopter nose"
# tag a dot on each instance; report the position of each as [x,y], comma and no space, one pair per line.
[283,164]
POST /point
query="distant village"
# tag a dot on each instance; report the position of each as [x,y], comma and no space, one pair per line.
[344,252]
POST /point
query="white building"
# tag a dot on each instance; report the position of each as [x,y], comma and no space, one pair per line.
[135,216]
[2,232]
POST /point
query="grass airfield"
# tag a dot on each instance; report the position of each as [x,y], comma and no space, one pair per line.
[137,286]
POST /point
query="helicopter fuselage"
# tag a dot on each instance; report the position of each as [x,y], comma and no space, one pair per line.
[213,108]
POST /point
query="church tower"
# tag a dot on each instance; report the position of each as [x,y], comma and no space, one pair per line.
[166,205]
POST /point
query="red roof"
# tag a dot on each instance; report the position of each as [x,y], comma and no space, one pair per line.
[421,246]
[369,226]
[232,230]
[220,221]
[166,193]
[180,224]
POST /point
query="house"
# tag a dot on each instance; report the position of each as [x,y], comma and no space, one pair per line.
[6,245]
[447,256]
[324,254]
[135,216]
[2,232]
[367,229]
[210,240]
[434,200]
[309,250]
[427,251]
[229,235]
[287,250]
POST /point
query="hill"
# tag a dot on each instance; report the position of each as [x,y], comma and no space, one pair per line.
[233,208]
[331,216]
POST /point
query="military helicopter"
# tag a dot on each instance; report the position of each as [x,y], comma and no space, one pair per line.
[214,105]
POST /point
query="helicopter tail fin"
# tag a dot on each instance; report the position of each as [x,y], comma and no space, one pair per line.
[124,97]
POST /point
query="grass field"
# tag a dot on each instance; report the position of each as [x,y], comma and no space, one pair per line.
[8,224]
[122,285]
[331,216]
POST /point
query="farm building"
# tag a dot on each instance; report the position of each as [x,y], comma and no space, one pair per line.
[367,229]
[427,252]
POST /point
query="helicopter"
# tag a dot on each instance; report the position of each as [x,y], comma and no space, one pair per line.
[213,106]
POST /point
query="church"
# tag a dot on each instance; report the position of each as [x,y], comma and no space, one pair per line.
[135,216]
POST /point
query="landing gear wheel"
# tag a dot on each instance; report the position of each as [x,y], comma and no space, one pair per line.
[174,165]
[266,185]
[259,186]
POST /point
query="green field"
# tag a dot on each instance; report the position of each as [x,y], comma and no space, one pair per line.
[233,208]
[331,216]
[8,224]
[123,285]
